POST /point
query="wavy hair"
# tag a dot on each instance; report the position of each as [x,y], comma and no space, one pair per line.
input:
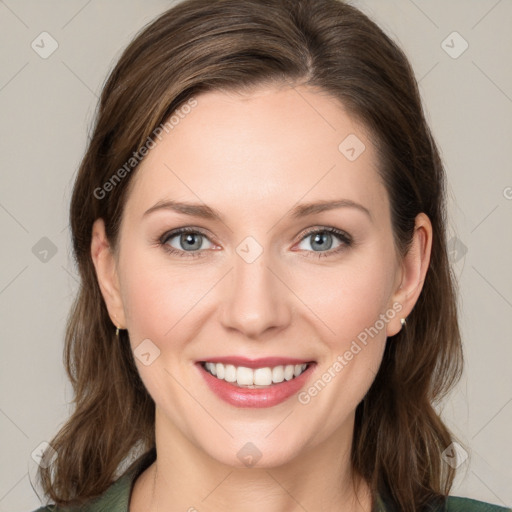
[203,45]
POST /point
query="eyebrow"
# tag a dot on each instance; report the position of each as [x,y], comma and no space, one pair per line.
[302,210]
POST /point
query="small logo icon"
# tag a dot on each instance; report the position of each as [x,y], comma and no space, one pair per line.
[352,147]
[249,454]
[249,249]
[146,352]
[44,250]
[454,455]
[44,455]
[456,249]
[44,45]
[454,45]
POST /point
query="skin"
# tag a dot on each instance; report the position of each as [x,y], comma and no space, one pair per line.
[253,157]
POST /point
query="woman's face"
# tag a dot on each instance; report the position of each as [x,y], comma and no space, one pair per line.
[268,278]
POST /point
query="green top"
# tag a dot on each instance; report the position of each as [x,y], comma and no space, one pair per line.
[117,497]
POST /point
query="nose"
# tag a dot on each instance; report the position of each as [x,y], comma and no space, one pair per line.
[256,298]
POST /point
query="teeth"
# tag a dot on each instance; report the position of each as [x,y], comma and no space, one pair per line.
[244,376]
[288,372]
[262,376]
[212,368]
[247,377]
[278,374]
[230,373]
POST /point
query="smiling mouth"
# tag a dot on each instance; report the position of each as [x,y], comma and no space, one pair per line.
[243,377]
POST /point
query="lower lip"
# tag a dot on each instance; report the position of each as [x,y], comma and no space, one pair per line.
[255,397]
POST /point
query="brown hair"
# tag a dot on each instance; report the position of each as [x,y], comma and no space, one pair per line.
[202,45]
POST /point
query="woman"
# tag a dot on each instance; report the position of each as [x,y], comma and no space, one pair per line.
[266,313]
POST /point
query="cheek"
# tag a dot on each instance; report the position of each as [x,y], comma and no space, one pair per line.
[161,304]
[349,298]
[157,296]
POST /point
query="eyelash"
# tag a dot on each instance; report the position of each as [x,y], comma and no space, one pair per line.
[344,237]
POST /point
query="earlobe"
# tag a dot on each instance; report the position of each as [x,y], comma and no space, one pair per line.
[414,270]
[106,272]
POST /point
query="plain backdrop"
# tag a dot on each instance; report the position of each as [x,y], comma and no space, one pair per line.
[461,53]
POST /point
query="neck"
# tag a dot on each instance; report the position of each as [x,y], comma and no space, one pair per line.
[183,477]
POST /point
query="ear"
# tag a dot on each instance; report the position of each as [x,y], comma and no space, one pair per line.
[413,271]
[106,271]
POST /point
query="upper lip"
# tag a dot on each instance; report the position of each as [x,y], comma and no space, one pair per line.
[262,362]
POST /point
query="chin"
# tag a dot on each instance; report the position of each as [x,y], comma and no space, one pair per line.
[256,453]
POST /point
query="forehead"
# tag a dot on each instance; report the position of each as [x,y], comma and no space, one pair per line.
[268,148]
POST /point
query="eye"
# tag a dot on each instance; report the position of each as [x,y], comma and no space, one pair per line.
[322,241]
[189,242]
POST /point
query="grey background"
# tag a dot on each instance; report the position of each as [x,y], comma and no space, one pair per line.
[47,107]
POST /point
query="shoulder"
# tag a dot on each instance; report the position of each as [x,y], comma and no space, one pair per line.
[117,497]
[114,499]
[459,504]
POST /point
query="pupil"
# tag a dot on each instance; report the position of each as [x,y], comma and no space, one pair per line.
[323,245]
[189,241]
